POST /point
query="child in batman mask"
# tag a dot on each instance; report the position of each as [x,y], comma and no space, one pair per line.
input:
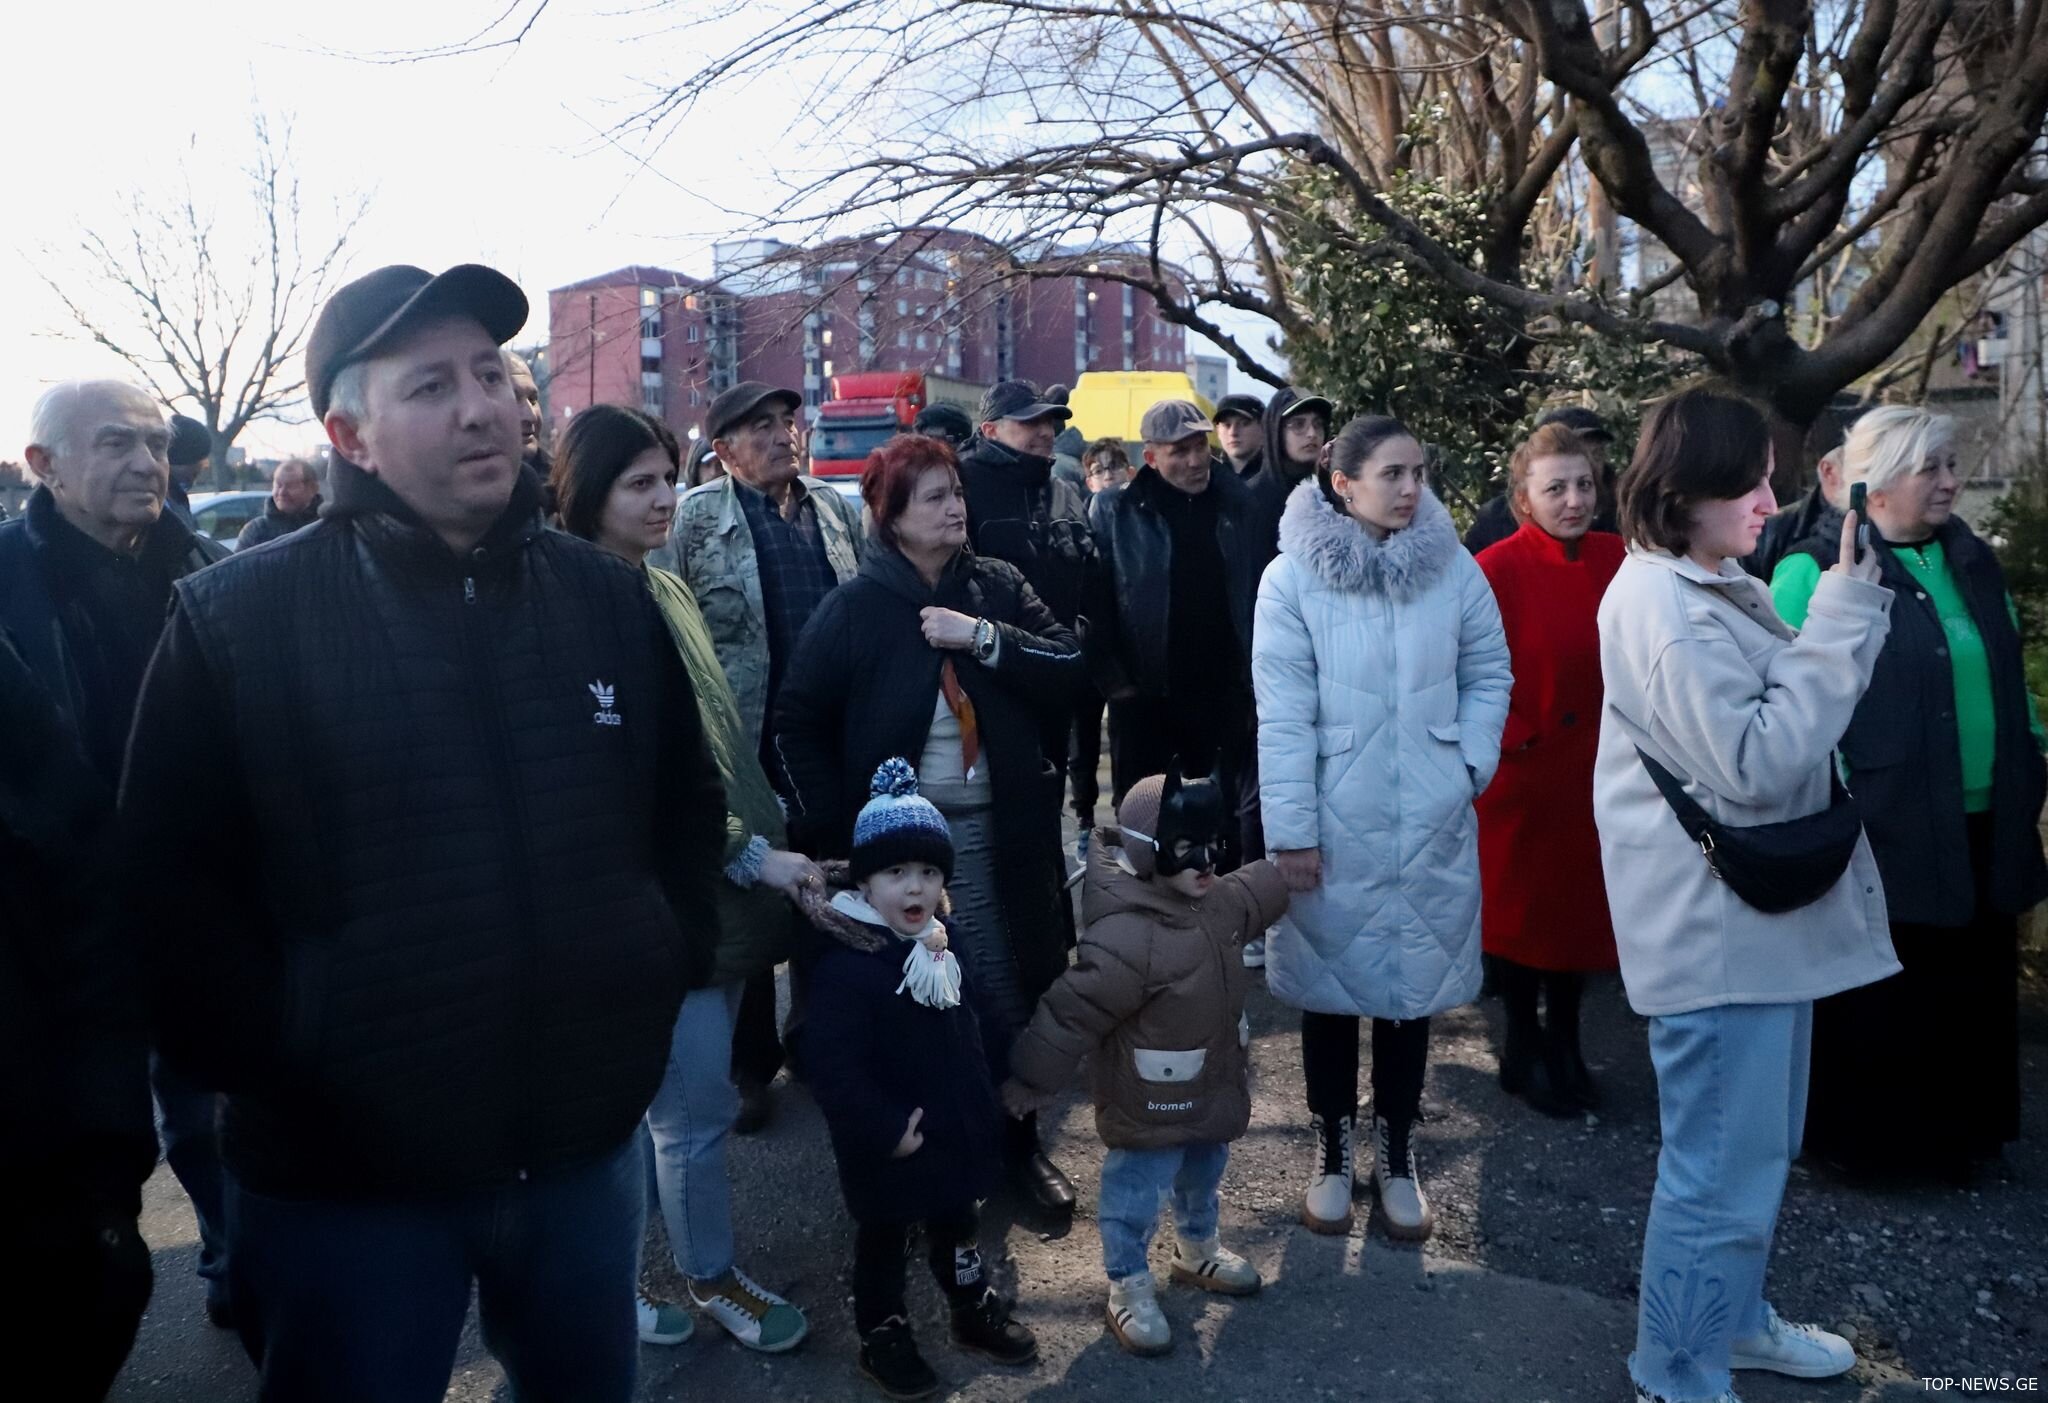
[1157,995]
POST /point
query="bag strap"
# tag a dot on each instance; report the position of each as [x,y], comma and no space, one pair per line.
[1691,817]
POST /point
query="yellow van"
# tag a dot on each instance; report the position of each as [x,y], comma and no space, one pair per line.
[1110,403]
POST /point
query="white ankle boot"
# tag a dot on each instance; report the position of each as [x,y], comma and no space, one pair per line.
[1326,1206]
[1135,1318]
[1409,1218]
[1799,1351]
[1213,1267]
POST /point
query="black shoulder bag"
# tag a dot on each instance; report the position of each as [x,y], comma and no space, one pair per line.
[1775,867]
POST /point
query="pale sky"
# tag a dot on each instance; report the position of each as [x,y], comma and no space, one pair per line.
[499,158]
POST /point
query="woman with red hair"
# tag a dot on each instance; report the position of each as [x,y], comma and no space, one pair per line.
[951,660]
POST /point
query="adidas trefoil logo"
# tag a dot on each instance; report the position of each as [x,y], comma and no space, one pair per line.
[604,715]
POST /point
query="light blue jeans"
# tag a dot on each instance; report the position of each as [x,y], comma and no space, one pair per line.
[687,1125]
[1731,1093]
[1134,1182]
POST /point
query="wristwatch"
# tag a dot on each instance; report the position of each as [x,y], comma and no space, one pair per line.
[984,640]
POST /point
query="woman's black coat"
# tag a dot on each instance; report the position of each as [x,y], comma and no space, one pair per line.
[861,687]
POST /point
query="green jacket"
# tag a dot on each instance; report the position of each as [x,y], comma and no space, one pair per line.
[711,547]
[755,921]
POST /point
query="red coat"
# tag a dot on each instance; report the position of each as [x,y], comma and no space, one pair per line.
[1539,852]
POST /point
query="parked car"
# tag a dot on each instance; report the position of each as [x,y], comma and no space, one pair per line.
[222,515]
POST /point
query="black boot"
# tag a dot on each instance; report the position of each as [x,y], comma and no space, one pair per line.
[1036,1178]
[889,1357]
[984,1326]
[1523,1069]
[1568,1070]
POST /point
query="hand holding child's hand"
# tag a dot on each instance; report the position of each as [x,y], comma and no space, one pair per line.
[1300,868]
[911,1142]
[1018,1099]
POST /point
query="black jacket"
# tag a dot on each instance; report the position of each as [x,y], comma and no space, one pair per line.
[85,618]
[274,523]
[1905,759]
[1493,523]
[1129,647]
[74,1089]
[487,872]
[1017,511]
[872,1056]
[861,688]
[1810,520]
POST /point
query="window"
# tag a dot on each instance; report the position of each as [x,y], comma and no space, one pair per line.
[903,338]
[920,311]
[650,365]
[692,334]
[902,307]
[826,336]
[923,341]
[650,399]
[696,397]
[828,367]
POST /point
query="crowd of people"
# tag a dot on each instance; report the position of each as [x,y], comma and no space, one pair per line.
[551,749]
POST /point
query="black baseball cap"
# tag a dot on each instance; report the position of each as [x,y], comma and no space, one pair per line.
[1583,422]
[1019,399]
[1249,406]
[732,406]
[947,420]
[367,315]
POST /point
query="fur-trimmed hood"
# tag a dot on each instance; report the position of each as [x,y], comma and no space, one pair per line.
[1339,552]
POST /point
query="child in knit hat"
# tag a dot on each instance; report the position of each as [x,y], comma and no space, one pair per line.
[1157,995]
[894,1060]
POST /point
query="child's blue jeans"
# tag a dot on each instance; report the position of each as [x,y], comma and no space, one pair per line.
[1133,1183]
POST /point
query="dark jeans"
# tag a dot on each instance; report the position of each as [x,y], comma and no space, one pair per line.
[879,1250]
[188,1127]
[1084,760]
[342,1302]
[1207,736]
[1329,1065]
[757,1053]
[73,1293]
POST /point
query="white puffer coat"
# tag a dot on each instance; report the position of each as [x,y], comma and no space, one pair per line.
[1382,678]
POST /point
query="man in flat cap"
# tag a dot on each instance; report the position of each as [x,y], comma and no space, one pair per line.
[490,866]
[760,547]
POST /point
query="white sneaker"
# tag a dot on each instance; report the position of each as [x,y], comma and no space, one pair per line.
[1409,1218]
[662,1322]
[1800,1351]
[1326,1206]
[1135,1318]
[1644,1395]
[1213,1267]
[1255,953]
[750,1312]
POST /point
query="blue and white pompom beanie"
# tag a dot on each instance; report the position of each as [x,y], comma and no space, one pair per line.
[897,824]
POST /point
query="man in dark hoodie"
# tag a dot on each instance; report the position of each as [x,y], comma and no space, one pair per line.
[1296,426]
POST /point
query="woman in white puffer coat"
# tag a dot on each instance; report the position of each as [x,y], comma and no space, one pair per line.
[1382,678]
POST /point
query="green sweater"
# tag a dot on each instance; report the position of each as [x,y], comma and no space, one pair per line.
[1792,587]
[755,920]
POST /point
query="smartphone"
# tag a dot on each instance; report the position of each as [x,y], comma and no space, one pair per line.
[1858,503]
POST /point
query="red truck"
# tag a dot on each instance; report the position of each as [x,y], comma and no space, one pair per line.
[869,407]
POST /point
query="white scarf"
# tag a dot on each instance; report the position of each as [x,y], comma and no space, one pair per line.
[930,972]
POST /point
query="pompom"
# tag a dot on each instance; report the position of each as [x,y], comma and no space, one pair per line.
[894,779]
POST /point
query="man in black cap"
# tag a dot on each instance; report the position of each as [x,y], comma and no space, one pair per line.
[1241,430]
[191,454]
[760,547]
[946,422]
[1017,510]
[1495,521]
[467,752]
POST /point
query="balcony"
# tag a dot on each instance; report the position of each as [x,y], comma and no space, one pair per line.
[650,347]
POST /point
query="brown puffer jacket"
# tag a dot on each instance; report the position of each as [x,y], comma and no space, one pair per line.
[1157,994]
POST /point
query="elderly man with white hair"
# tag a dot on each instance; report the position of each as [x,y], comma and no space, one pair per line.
[1945,756]
[85,580]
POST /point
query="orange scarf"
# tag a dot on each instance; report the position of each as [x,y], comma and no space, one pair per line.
[962,707]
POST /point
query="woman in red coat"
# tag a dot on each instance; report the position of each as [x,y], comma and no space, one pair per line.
[1545,916]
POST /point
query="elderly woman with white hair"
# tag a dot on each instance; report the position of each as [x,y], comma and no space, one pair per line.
[1945,758]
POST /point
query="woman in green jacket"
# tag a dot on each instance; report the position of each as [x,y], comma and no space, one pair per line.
[615,484]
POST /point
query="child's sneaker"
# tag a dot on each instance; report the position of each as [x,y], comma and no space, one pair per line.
[1254,955]
[889,1359]
[1135,1318]
[986,1328]
[1326,1205]
[1799,1351]
[1405,1209]
[1214,1267]
[661,1322]
[750,1312]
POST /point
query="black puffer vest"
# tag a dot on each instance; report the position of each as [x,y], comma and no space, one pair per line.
[472,968]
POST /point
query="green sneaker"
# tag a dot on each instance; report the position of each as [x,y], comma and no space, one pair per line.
[662,1322]
[750,1312]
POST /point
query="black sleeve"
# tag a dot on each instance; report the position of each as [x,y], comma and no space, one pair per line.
[212,967]
[689,797]
[1039,657]
[810,708]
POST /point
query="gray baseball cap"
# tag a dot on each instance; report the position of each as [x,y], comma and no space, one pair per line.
[1172,420]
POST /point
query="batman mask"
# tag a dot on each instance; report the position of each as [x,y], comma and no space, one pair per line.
[1190,811]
